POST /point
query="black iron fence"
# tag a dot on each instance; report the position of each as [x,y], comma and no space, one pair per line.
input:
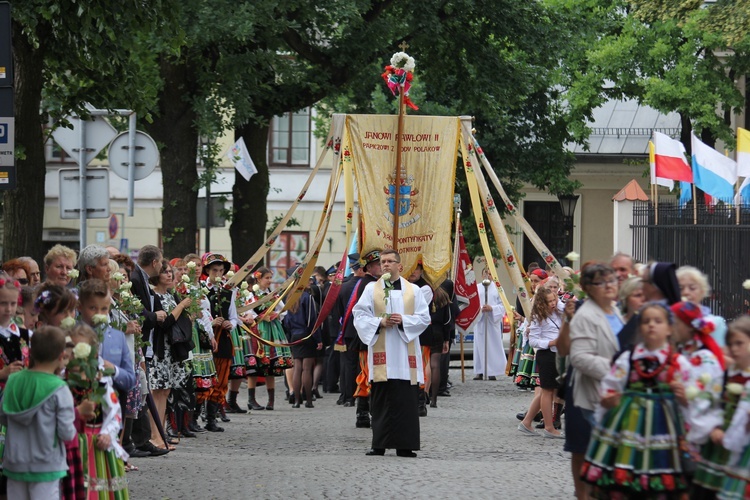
[716,240]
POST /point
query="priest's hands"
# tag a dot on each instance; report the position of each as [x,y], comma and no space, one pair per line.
[391,320]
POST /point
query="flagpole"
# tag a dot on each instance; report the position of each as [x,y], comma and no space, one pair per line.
[656,212]
[695,206]
[454,264]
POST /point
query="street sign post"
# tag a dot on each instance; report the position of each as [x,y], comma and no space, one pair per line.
[97,193]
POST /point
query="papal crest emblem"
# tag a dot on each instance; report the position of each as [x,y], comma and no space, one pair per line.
[407,195]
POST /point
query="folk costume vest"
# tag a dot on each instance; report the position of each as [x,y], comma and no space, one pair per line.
[380,373]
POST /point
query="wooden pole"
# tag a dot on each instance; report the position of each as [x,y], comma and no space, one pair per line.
[738,202]
[656,211]
[399,175]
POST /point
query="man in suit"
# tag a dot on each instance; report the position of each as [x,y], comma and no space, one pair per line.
[148,265]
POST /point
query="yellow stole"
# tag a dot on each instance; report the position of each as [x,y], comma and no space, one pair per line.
[378,350]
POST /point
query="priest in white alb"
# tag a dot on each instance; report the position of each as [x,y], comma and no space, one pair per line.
[490,321]
[389,316]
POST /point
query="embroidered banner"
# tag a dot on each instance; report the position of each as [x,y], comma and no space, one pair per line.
[429,151]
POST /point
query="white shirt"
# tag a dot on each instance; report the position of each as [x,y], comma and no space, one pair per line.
[542,333]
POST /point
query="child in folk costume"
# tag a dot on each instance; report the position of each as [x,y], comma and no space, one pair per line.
[635,447]
[272,360]
[711,467]
[735,484]
[224,321]
[101,453]
[204,369]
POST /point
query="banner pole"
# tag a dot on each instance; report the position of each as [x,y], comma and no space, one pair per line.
[486,283]
[463,371]
[398,176]
[695,206]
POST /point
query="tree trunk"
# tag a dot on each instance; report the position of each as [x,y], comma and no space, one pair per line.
[24,206]
[249,216]
[174,130]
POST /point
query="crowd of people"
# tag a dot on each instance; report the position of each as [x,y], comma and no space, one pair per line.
[150,348]
[109,359]
[655,388]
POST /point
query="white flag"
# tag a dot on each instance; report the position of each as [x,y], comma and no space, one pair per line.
[241,160]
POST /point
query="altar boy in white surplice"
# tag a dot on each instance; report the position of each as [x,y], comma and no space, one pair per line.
[389,316]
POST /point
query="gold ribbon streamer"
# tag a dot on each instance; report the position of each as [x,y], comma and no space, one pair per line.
[510,259]
[525,226]
[245,269]
[476,206]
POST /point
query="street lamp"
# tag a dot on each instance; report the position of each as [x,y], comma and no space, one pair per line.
[568,205]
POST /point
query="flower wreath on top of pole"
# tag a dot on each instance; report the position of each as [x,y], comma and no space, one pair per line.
[399,74]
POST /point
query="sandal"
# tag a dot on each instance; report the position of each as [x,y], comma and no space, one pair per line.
[130,467]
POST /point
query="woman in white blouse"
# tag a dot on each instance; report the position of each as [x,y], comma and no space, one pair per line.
[544,329]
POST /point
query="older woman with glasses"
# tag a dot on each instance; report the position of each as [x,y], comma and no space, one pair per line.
[593,343]
[18,270]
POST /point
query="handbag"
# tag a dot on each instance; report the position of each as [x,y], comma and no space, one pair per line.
[181,339]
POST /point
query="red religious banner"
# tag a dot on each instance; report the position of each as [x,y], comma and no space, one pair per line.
[466,286]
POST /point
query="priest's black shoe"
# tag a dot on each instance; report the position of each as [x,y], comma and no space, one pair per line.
[406,453]
[187,433]
[211,426]
[379,452]
[521,416]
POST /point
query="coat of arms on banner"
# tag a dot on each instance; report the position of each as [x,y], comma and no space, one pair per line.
[407,195]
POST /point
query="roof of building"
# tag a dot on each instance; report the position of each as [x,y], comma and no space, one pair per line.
[625,127]
[631,192]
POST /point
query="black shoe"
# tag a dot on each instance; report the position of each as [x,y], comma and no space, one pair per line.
[233,407]
[540,425]
[316,393]
[538,417]
[422,410]
[433,404]
[479,377]
[348,404]
[152,450]
[195,427]
[212,427]
[521,416]
[406,454]
[491,377]
[223,416]
[340,400]
[291,399]
[253,405]
[269,407]
[362,422]
[444,394]
[188,433]
[296,405]
[136,453]
[309,405]
[376,452]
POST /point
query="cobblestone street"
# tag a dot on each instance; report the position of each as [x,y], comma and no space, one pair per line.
[470,449]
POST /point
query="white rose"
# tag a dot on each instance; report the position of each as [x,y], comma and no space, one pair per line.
[386,277]
[100,319]
[746,284]
[217,279]
[409,65]
[81,350]
[205,290]
[705,378]
[125,294]
[73,273]
[67,323]
[244,285]
[118,276]
[256,288]
[691,392]
[191,265]
[185,278]
[127,286]
[735,388]
[572,256]
[398,59]
[230,274]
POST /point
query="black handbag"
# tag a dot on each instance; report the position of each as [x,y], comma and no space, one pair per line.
[181,339]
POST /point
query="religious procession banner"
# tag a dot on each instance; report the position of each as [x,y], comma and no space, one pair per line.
[428,168]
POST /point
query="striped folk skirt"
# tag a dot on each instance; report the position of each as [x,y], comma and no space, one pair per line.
[736,484]
[527,375]
[237,370]
[636,449]
[204,369]
[103,471]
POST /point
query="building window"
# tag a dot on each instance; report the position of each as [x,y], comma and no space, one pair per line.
[290,140]
[546,218]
